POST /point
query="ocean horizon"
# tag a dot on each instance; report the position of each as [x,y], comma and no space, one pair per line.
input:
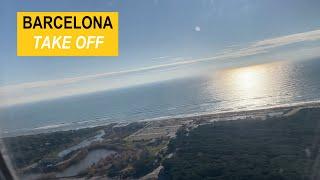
[229,89]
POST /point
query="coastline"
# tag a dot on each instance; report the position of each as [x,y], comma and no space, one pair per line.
[146,139]
[207,115]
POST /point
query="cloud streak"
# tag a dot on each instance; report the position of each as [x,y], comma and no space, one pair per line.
[254,48]
[289,39]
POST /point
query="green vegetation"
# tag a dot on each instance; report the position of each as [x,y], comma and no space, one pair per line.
[133,164]
[136,159]
[43,148]
[144,165]
[277,148]
[29,149]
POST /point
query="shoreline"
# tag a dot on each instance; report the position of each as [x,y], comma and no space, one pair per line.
[194,116]
[128,140]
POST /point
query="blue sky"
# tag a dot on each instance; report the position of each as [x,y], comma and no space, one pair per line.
[159,40]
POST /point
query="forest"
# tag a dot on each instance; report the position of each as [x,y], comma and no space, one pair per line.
[276,148]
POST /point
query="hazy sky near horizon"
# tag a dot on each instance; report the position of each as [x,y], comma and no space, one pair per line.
[159,40]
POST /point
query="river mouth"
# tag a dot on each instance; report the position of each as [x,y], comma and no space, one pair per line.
[91,158]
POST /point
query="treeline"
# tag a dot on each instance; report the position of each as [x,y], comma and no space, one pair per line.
[276,148]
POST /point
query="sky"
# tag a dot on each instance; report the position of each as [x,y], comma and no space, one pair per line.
[159,40]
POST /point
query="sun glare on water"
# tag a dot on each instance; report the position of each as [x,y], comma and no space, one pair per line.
[248,81]
[253,86]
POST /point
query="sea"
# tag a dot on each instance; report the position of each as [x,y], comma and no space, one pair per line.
[229,89]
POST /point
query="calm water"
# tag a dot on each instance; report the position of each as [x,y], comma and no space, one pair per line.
[242,88]
[93,157]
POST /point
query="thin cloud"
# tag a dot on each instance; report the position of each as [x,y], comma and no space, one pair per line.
[252,49]
[289,39]
[161,57]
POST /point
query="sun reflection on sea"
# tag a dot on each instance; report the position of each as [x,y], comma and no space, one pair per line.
[251,86]
[248,81]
